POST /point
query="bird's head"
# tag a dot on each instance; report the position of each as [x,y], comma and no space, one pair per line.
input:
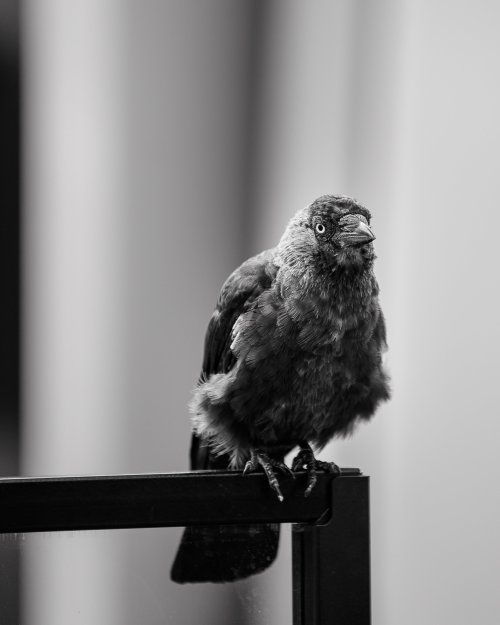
[333,231]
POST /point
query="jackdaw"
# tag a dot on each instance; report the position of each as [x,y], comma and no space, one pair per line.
[293,358]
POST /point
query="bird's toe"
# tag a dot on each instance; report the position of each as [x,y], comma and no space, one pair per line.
[259,459]
[301,460]
[327,467]
[282,468]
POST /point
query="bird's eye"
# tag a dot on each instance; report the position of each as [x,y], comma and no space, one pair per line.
[320,228]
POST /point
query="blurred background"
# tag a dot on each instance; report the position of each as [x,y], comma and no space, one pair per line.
[149,148]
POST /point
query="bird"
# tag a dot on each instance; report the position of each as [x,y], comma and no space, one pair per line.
[293,357]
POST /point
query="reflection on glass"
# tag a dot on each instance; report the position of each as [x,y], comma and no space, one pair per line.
[123,577]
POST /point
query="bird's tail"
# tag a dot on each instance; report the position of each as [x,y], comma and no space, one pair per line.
[222,553]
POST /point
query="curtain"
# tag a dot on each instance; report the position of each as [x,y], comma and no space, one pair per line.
[168,141]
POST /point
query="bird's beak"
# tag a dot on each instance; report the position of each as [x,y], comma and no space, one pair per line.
[361,233]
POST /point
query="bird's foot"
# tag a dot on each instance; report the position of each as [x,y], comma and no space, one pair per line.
[305,460]
[259,459]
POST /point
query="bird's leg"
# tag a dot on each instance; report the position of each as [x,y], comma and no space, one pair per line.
[260,459]
[305,460]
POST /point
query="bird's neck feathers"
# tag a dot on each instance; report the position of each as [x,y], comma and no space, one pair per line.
[346,293]
[296,248]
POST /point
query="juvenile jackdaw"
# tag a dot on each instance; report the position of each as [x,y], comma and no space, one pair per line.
[293,357]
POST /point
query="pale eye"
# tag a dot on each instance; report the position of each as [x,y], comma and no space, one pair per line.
[320,228]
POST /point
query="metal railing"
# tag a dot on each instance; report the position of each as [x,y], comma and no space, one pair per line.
[331,547]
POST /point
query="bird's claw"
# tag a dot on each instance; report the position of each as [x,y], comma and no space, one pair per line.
[250,466]
[305,460]
[269,465]
[282,467]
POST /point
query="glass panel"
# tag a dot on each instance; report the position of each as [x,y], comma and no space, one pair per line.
[10,547]
[123,577]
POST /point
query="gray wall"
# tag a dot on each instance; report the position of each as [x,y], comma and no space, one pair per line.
[168,140]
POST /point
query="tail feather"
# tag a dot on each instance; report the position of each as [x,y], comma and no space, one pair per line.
[222,553]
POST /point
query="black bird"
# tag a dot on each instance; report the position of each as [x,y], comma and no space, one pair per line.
[293,357]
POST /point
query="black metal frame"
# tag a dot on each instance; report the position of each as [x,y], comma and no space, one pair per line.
[331,549]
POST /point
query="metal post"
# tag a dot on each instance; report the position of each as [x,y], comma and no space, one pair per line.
[331,563]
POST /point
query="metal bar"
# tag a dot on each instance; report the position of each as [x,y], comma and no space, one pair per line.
[156,500]
[331,563]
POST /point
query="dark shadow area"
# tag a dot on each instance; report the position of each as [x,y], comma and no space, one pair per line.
[10,283]
[9,236]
